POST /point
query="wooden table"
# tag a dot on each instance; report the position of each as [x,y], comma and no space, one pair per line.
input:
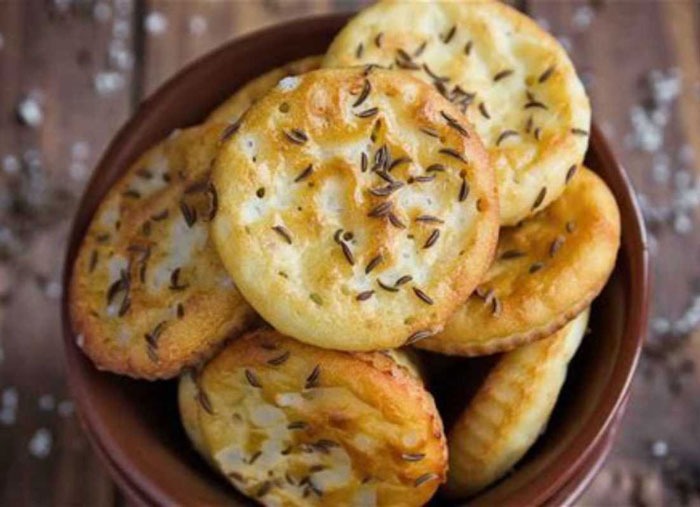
[66,55]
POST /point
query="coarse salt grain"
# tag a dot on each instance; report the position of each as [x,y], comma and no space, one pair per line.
[108,82]
[10,164]
[102,11]
[583,17]
[8,407]
[198,25]
[156,23]
[66,408]
[659,449]
[46,402]
[41,443]
[30,112]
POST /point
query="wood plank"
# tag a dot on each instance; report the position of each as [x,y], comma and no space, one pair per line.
[58,54]
[181,42]
[616,52]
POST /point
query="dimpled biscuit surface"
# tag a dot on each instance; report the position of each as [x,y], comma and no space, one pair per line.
[293,424]
[234,107]
[514,81]
[546,271]
[149,295]
[357,208]
[510,410]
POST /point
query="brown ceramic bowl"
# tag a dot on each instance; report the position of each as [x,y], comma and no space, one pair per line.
[134,426]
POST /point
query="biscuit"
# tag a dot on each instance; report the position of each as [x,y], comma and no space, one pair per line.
[293,424]
[514,80]
[234,107]
[546,271]
[357,208]
[510,410]
[149,295]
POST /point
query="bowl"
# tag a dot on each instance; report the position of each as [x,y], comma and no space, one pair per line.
[134,426]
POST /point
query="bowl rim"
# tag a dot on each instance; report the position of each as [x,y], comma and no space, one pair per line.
[566,463]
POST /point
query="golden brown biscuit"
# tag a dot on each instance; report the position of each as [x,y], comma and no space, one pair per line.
[514,80]
[356,209]
[234,107]
[188,402]
[510,410]
[546,271]
[149,294]
[294,424]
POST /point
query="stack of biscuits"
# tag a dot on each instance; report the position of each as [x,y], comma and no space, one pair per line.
[418,188]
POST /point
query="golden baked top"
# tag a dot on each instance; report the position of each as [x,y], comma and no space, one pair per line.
[357,208]
[233,108]
[149,294]
[510,410]
[294,424]
[546,271]
[514,81]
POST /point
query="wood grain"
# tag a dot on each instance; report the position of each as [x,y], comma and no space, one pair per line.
[616,52]
[56,54]
[59,54]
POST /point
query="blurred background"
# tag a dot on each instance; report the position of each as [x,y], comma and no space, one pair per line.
[73,71]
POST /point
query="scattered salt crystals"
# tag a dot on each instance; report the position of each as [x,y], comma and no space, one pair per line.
[123,7]
[8,406]
[682,224]
[10,164]
[41,443]
[66,408]
[583,17]
[660,326]
[29,111]
[119,55]
[649,122]
[46,402]
[661,167]
[690,319]
[647,134]
[659,449]
[102,11]
[80,150]
[108,82]
[156,23]
[53,290]
[566,43]
[197,24]
[121,29]
[10,244]
[78,170]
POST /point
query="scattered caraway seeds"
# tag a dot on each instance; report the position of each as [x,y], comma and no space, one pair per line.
[252,379]
[313,379]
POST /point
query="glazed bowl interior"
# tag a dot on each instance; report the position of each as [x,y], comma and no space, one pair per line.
[134,426]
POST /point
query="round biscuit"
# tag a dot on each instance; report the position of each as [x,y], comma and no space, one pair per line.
[233,108]
[514,81]
[546,271]
[149,295]
[510,410]
[293,424]
[357,208]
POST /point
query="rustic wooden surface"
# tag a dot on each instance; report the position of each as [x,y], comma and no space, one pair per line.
[53,51]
